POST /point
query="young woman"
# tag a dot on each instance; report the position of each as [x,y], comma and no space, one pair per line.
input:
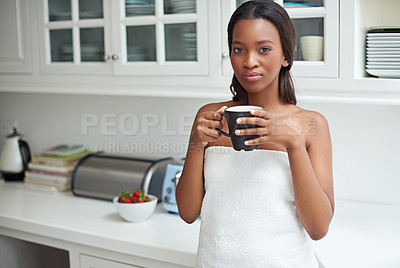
[259,208]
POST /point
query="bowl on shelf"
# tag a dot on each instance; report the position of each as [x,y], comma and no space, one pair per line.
[136,212]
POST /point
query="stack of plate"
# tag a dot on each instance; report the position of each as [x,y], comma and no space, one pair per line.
[383,52]
[90,14]
[139,7]
[182,6]
[190,45]
[89,52]
[136,53]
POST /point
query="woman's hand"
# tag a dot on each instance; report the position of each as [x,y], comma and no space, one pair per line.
[204,129]
[283,131]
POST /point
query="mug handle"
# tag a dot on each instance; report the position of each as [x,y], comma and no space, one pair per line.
[221,131]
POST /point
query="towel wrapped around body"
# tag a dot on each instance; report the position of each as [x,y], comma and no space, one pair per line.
[248,215]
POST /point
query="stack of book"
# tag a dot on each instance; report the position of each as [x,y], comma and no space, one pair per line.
[53,167]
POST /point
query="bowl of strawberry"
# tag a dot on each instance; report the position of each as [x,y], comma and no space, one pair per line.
[135,207]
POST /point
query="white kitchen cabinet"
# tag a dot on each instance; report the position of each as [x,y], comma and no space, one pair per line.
[15,42]
[94,262]
[316,18]
[124,37]
[339,78]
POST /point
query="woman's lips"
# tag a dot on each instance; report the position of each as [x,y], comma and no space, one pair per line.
[252,77]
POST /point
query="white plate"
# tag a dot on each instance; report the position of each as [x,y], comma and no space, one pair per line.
[379,54]
[384,41]
[383,38]
[384,73]
[384,45]
[384,49]
[383,34]
[385,67]
[384,60]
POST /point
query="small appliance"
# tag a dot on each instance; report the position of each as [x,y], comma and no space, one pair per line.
[173,173]
[15,157]
[104,176]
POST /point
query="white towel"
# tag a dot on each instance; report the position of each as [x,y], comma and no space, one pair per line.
[248,215]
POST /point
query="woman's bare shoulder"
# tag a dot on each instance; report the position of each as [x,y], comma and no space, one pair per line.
[314,126]
[310,116]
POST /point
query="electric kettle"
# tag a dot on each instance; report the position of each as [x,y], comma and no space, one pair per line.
[14,158]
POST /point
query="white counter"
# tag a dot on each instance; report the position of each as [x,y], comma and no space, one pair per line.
[361,235]
[95,223]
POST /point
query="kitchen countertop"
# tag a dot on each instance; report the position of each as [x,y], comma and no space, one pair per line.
[164,236]
[361,234]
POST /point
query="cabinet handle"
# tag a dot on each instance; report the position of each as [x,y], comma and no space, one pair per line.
[115,57]
[225,55]
[106,57]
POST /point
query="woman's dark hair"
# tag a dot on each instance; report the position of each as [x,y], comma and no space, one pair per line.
[277,15]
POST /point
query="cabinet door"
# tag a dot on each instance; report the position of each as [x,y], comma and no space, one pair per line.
[317,21]
[160,37]
[15,52]
[94,262]
[75,36]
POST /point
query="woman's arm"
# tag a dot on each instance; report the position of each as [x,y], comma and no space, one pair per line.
[190,189]
[312,177]
[310,157]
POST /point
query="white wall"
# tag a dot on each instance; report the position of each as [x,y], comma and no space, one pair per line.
[366,138]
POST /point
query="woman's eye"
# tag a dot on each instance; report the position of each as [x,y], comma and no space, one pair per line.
[265,49]
[238,50]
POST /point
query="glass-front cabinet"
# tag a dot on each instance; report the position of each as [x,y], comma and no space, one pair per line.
[75,36]
[166,37]
[317,29]
[126,37]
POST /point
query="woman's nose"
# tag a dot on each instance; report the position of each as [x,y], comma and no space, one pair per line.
[251,61]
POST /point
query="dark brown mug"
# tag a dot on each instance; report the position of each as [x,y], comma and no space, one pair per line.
[232,114]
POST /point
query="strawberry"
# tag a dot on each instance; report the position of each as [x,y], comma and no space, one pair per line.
[138,196]
[127,201]
[137,193]
[133,199]
[124,194]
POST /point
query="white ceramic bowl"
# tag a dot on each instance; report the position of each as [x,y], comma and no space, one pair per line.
[135,212]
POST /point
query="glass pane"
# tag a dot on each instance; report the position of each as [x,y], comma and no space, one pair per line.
[139,8]
[179,6]
[59,10]
[303,3]
[92,44]
[239,2]
[141,43]
[308,27]
[90,9]
[61,45]
[181,42]
[294,3]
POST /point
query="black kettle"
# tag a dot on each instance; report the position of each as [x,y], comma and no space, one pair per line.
[14,158]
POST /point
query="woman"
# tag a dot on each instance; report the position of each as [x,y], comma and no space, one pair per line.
[259,208]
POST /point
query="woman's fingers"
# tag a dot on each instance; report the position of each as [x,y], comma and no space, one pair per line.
[207,124]
[261,113]
[251,131]
[261,118]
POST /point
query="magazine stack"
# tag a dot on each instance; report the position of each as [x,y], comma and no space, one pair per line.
[53,168]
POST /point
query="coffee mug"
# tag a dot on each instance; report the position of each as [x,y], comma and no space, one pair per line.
[232,114]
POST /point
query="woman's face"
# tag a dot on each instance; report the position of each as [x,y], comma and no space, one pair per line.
[256,54]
